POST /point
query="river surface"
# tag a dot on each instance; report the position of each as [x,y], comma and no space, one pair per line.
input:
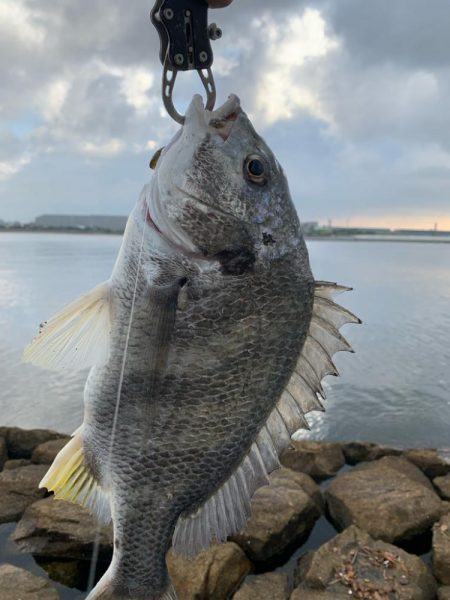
[394,390]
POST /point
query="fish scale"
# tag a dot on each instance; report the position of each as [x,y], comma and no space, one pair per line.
[207,346]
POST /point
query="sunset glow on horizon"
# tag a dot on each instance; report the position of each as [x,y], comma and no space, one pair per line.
[423,223]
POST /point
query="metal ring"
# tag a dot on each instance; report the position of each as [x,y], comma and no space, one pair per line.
[169,78]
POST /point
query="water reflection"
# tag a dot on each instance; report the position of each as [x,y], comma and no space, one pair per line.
[393,390]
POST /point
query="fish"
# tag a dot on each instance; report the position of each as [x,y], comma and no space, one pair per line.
[206,347]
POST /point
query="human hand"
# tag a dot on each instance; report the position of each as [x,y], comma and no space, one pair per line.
[218,3]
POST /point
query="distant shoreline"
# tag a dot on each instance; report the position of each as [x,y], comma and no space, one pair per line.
[375,238]
[62,230]
[314,238]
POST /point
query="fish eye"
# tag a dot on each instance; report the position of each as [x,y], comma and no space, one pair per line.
[255,169]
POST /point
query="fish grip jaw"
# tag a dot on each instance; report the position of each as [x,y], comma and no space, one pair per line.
[182,26]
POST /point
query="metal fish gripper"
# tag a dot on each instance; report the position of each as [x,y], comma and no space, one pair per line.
[185,44]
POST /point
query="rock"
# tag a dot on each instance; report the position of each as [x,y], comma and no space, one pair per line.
[441,550]
[15,463]
[442,484]
[288,477]
[22,442]
[320,460]
[356,452]
[390,498]
[3,452]
[302,593]
[18,489]
[434,463]
[18,584]
[59,529]
[212,575]
[269,586]
[354,564]
[444,593]
[45,453]
[283,515]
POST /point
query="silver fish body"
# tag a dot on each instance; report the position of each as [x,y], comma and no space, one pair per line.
[209,307]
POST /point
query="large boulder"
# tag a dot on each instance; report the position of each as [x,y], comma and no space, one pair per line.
[442,484]
[269,586]
[282,516]
[356,452]
[355,565]
[434,463]
[444,592]
[288,477]
[212,575]
[18,489]
[15,463]
[59,529]
[320,460]
[22,442]
[18,584]
[390,498]
[304,593]
[45,453]
[441,550]
[3,452]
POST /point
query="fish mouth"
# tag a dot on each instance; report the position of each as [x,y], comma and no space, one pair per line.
[219,123]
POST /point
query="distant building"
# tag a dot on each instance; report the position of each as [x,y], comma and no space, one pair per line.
[309,227]
[89,222]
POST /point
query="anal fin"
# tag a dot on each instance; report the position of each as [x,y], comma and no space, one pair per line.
[70,479]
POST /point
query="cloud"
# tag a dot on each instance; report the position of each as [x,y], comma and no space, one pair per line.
[281,91]
[352,97]
[107,149]
[411,33]
[11,167]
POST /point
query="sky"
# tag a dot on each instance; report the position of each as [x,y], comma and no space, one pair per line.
[352,96]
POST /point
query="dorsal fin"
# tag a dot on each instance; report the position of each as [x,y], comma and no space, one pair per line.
[226,512]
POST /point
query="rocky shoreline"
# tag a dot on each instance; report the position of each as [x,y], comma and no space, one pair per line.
[338,520]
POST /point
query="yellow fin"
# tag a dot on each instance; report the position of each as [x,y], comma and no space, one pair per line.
[77,337]
[70,479]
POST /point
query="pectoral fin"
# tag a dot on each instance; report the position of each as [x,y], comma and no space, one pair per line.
[77,337]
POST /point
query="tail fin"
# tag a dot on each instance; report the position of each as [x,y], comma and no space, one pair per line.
[104,591]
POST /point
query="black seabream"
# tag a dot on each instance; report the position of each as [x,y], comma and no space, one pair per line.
[207,347]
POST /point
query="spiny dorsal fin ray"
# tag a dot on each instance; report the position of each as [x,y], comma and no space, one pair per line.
[70,479]
[333,313]
[77,337]
[310,376]
[226,511]
[326,289]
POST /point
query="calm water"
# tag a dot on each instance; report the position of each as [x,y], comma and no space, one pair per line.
[395,389]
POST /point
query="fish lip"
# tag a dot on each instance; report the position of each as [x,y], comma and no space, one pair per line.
[220,122]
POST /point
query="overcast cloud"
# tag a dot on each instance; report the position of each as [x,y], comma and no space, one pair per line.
[351,95]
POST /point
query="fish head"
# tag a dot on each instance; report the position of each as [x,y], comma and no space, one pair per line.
[219,192]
